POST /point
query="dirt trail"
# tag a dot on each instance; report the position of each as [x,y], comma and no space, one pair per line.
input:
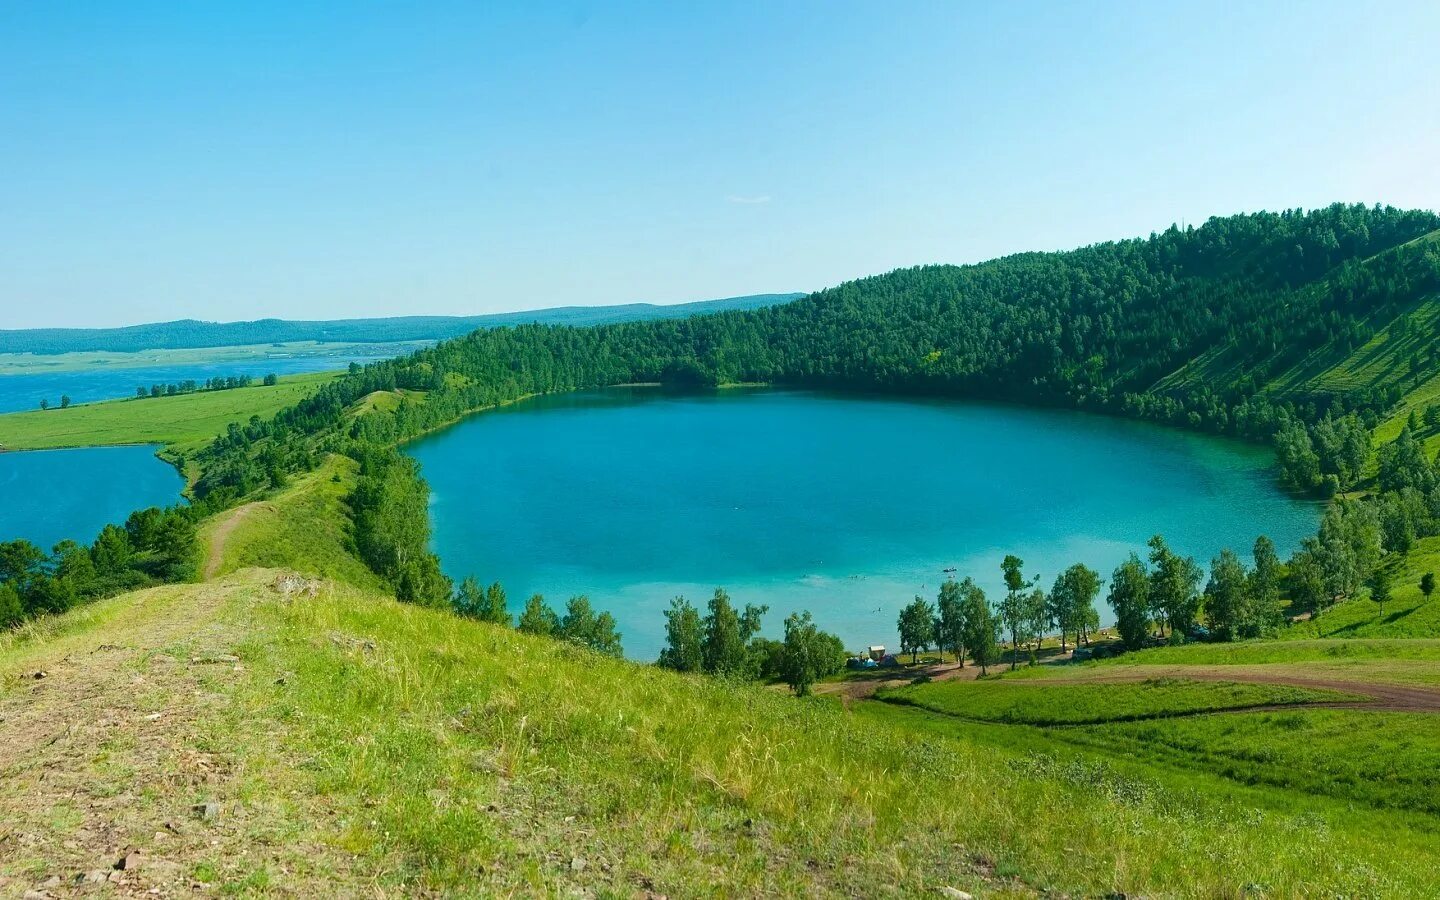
[215,557]
[116,743]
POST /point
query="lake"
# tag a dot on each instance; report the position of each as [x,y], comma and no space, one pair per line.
[49,495]
[842,505]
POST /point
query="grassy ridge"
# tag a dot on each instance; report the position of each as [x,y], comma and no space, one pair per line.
[361,741]
[185,421]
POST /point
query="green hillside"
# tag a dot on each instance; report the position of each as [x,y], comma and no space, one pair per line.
[341,738]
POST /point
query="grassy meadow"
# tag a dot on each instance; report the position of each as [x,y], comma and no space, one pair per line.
[183,422]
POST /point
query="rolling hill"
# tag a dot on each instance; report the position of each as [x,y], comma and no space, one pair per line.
[189,333]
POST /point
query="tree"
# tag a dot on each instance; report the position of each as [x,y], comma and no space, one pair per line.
[809,654]
[979,625]
[1299,463]
[727,634]
[64,401]
[1037,619]
[1130,599]
[495,610]
[44,403]
[1228,599]
[1018,609]
[684,637]
[1174,586]
[1380,589]
[581,625]
[1072,601]
[469,599]
[950,620]
[271,379]
[916,627]
[142,392]
[1427,585]
[538,617]
[1265,584]
[12,612]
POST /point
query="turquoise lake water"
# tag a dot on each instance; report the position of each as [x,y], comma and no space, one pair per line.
[49,495]
[844,506]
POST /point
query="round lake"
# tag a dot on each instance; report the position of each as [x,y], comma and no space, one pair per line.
[47,496]
[842,505]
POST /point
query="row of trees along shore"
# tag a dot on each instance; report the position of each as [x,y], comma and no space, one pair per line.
[188,386]
[1189,326]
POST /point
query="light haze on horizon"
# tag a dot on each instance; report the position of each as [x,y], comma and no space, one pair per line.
[312,161]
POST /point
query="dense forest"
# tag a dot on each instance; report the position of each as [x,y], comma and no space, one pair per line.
[1112,327]
[190,333]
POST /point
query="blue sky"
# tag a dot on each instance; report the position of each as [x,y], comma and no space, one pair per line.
[306,160]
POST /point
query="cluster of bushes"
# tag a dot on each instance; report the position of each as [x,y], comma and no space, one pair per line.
[580,624]
[155,545]
[1322,457]
[726,642]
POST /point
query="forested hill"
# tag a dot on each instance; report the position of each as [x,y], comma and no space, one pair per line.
[1226,327]
[189,333]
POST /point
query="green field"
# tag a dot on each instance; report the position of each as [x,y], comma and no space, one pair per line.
[183,422]
[1031,703]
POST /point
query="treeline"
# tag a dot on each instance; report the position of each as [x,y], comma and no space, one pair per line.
[580,625]
[726,642]
[154,546]
[191,386]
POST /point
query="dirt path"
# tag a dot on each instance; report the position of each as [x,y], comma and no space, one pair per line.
[215,557]
[118,739]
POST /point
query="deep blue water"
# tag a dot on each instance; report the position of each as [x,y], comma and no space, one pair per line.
[49,495]
[25,391]
[844,506]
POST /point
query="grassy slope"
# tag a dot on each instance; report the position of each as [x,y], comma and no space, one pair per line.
[398,747]
[302,527]
[184,422]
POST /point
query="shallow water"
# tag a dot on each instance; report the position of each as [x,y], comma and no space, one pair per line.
[49,495]
[844,506]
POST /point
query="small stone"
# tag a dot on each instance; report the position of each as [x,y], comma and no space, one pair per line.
[36,895]
[52,882]
[954,893]
[153,717]
[96,877]
[130,860]
[208,812]
[577,864]
[38,674]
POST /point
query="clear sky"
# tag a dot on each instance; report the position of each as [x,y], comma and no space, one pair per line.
[309,160]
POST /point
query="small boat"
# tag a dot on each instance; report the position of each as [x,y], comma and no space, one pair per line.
[949,571]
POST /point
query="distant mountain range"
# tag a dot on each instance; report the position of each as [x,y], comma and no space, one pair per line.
[191,333]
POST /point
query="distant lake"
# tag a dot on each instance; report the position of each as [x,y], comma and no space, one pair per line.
[844,506]
[49,495]
[118,374]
